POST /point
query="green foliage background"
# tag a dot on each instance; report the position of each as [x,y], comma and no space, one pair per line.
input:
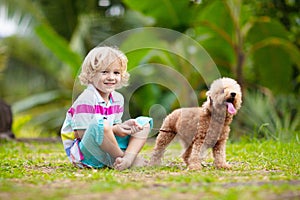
[255,42]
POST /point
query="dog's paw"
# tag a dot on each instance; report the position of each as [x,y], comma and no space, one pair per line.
[223,166]
[194,166]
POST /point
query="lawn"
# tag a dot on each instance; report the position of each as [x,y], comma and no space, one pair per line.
[261,170]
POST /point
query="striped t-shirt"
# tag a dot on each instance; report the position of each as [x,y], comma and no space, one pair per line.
[88,107]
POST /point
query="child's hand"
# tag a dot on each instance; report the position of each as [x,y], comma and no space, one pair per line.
[131,125]
[128,127]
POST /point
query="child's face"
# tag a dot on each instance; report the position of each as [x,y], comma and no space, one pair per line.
[107,80]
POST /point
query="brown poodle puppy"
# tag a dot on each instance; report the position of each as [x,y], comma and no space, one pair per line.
[204,127]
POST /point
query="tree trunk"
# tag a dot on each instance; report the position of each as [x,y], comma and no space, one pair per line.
[6,120]
[240,55]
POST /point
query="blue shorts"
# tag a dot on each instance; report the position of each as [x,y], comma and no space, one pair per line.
[93,138]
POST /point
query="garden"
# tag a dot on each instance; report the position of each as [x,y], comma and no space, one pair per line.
[174,51]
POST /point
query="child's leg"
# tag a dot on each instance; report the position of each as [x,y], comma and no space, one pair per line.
[109,143]
[135,145]
[99,145]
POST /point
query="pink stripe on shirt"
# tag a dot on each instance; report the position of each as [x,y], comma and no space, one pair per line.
[97,109]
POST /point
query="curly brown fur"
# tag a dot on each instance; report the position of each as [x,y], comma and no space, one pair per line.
[204,127]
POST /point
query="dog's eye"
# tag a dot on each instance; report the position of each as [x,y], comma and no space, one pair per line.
[222,91]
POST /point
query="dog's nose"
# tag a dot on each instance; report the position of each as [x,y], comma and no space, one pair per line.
[232,94]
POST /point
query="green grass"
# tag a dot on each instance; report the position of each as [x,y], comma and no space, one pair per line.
[261,170]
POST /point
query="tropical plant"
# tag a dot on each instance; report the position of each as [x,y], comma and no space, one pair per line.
[44,62]
[3,58]
[263,116]
[38,92]
[250,47]
[239,45]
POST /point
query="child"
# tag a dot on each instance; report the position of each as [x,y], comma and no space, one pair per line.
[93,133]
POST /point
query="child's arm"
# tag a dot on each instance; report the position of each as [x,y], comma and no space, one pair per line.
[120,130]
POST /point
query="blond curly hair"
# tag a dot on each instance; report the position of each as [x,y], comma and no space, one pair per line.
[101,58]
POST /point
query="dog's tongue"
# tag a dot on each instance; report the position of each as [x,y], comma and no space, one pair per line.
[230,108]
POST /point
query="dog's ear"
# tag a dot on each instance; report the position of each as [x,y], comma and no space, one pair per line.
[208,97]
[210,101]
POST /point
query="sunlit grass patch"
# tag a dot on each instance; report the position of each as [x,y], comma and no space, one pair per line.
[260,170]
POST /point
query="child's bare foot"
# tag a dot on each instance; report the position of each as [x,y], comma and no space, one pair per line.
[121,163]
